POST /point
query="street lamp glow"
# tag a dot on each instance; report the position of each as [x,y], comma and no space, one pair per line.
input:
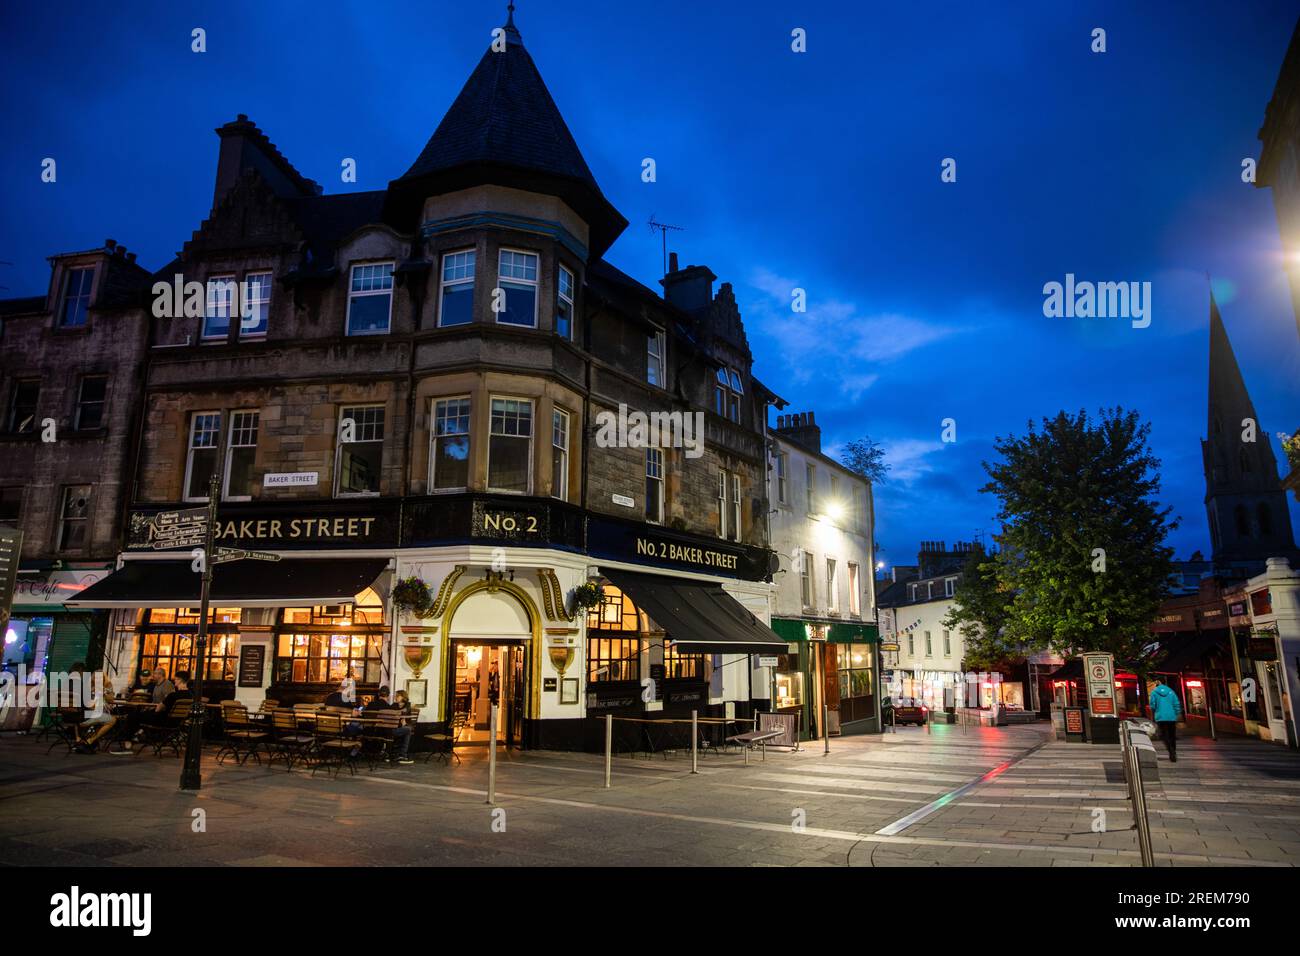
[834,511]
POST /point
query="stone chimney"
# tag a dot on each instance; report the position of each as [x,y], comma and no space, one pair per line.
[690,289]
[245,147]
[801,428]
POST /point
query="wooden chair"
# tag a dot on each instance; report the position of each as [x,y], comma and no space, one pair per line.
[332,747]
[242,737]
[377,735]
[292,742]
[170,733]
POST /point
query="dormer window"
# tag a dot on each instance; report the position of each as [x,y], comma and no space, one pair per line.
[370,299]
[564,304]
[726,394]
[457,295]
[517,276]
[76,297]
[256,307]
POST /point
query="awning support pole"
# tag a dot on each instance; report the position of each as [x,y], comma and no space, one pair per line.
[609,746]
[695,741]
[492,756]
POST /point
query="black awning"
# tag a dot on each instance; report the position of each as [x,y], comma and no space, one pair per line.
[246,583]
[698,616]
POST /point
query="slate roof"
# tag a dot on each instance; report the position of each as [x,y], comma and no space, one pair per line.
[23,306]
[504,114]
[327,220]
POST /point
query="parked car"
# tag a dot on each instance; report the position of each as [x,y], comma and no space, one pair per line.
[909,710]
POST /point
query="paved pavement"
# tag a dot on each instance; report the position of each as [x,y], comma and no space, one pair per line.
[986,796]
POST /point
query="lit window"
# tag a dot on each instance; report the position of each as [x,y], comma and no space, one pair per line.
[450,466]
[256,307]
[360,450]
[654,360]
[510,446]
[220,307]
[654,485]
[564,304]
[517,276]
[205,433]
[76,298]
[855,595]
[90,401]
[370,299]
[560,455]
[241,451]
[457,294]
[75,526]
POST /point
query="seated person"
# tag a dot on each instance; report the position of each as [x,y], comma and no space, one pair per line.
[93,728]
[402,702]
[401,735]
[344,696]
[160,685]
[163,710]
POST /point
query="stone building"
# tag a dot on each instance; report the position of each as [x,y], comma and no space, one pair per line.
[823,523]
[70,375]
[424,385]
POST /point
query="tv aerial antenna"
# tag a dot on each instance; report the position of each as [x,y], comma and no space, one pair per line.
[662,228]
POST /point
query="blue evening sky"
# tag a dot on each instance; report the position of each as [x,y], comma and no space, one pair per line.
[817,170]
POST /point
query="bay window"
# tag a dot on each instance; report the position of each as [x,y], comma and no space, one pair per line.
[456,295]
[449,457]
[510,446]
[517,279]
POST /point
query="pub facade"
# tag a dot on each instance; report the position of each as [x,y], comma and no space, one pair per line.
[408,397]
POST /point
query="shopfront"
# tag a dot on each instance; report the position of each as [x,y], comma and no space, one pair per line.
[45,635]
[835,662]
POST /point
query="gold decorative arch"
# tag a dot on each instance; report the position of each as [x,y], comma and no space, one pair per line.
[532,707]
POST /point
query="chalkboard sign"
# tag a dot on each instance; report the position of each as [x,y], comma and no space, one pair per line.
[252,659]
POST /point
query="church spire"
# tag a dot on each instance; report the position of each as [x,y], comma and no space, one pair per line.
[1244,501]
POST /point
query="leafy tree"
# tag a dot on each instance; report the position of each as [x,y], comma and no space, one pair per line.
[865,457]
[1083,562]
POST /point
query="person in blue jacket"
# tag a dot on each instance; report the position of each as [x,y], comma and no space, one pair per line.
[1165,711]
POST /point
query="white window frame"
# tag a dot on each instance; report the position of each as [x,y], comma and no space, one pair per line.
[67,286]
[444,282]
[245,302]
[947,644]
[855,590]
[235,417]
[189,449]
[735,507]
[559,415]
[654,359]
[949,587]
[532,434]
[722,504]
[339,443]
[810,477]
[209,304]
[782,466]
[535,282]
[570,299]
[433,489]
[807,583]
[367,293]
[832,585]
[929,645]
[654,471]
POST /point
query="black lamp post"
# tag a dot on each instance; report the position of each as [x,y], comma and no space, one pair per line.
[191,776]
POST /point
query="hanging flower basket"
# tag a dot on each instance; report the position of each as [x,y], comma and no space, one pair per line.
[586,596]
[412,595]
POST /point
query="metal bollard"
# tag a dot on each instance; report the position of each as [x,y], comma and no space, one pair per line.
[492,756]
[826,726]
[695,741]
[609,746]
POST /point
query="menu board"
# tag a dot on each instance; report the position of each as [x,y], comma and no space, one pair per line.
[252,660]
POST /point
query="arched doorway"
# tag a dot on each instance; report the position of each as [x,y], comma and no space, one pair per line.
[490,656]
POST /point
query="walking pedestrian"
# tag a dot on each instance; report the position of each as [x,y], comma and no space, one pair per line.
[1165,710]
